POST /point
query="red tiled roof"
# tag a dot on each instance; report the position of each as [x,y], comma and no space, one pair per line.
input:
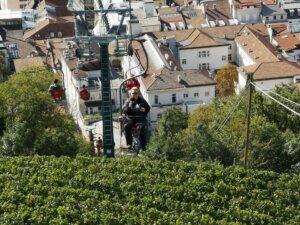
[287,41]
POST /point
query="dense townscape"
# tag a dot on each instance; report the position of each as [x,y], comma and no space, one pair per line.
[149,112]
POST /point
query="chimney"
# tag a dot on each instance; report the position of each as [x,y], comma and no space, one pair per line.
[179,78]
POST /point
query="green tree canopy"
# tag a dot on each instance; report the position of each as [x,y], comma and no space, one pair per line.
[217,132]
[32,125]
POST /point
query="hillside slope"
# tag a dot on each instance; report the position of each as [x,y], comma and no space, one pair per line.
[49,190]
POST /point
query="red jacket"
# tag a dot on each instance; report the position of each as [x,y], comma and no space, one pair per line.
[132,83]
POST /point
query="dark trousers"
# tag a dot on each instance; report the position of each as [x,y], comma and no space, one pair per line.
[128,131]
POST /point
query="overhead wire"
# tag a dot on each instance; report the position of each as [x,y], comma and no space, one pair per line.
[274,99]
[233,109]
[270,91]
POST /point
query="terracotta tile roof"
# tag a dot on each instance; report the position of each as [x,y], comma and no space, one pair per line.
[57,2]
[199,39]
[259,28]
[218,10]
[21,64]
[189,16]
[269,2]
[220,32]
[273,70]
[58,25]
[16,36]
[248,1]
[31,32]
[278,28]
[62,11]
[256,46]
[179,35]
[180,79]
[287,41]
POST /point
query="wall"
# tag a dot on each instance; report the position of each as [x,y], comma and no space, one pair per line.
[248,15]
[205,95]
[243,58]
[214,59]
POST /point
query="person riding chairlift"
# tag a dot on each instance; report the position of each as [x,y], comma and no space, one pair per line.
[56,90]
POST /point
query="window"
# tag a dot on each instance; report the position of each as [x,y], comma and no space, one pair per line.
[52,34]
[155,99]
[173,98]
[274,17]
[229,57]
[267,18]
[281,17]
[185,95]
[204,66]
[223,58]
[229,47]
[203,54]
[206,93]
[184,61]
[59,34]
[196,94]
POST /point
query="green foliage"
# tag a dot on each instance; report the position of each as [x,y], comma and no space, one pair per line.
[30,122]
[217,133]
[284,119]
[3,70]
[166,144]
[49,190]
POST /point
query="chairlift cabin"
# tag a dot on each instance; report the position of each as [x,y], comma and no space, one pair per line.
[56,90]
[84,94]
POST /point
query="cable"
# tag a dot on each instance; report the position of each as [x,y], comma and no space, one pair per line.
[233,109]
[290,101]
[283,105]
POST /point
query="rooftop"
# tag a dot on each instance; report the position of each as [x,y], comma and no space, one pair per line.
[21,64]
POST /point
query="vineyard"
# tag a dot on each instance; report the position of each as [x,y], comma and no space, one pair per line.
[49,190]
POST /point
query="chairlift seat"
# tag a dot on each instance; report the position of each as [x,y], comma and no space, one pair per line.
[56,94]
[84,94]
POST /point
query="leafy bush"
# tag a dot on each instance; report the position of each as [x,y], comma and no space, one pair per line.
[50,190]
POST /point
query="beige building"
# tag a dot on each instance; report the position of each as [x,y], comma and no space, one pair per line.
[14,4]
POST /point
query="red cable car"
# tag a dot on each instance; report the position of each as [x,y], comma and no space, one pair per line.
[56,90]
[84,94]
[56,94]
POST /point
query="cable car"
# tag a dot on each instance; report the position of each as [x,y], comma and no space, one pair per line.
[56,90]
[84,93]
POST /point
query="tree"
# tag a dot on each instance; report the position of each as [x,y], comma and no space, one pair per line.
[3,68]
[32,125]
[165,145]
[226,78]
[275,113]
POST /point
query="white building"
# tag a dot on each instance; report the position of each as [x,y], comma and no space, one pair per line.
[257,56]
[84,72]
[14,4]
[246,11]
[166,84]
